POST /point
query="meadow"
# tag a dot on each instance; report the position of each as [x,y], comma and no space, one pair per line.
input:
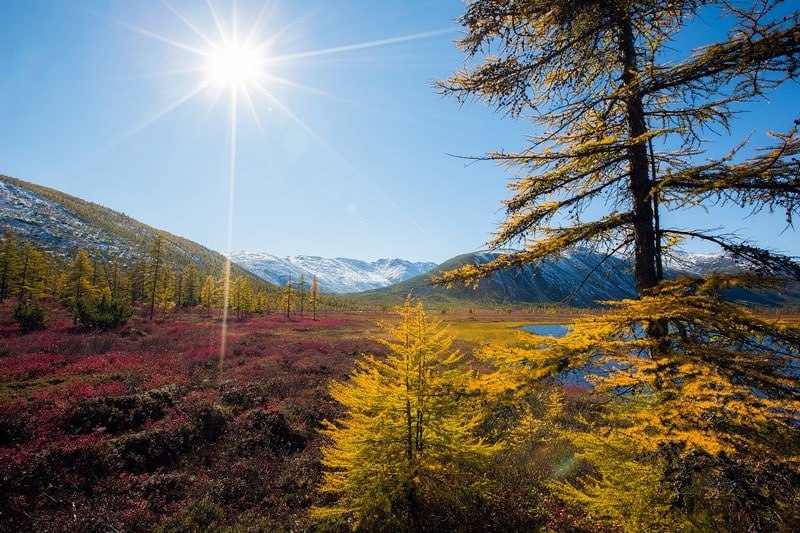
[144,427]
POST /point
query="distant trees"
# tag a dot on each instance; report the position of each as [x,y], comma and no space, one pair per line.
[24,270]
[98,289]
[313,295]
[242,301]
[302,292]
[406,442]
[695,384]
[9,264]
[156,253]
[287,297]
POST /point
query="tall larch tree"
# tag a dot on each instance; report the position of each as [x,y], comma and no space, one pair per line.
[165,289]
[406,442]
[137,281]
[154,270]
[621,120]
[209,294]
[32,282]
[190,298]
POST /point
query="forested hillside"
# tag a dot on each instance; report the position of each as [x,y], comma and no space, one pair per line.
[57,222]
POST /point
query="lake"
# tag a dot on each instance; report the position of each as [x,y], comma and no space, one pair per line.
[549,330]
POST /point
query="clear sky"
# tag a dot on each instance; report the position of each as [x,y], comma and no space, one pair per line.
[347,156]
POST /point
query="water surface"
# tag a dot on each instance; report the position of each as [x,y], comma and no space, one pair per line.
[549,330]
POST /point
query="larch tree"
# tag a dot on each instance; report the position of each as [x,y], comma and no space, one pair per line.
[313,296]
[9,264]
[155,270]
[407,438]
[621,121]
[165,289]
[26,266]
[191,287]
[34,276]
[301,292]
[137,281]
[209,294]
[78,289]
[287,296]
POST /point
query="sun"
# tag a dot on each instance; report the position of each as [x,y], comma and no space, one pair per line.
[234,64]
[238,64]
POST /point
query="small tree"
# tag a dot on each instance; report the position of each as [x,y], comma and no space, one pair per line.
[407,438]
[30,316]
[190,298]
[105,313]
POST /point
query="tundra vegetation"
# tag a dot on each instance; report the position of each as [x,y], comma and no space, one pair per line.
[674,411]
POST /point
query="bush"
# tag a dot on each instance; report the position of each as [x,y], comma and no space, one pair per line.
[119,413]
[30,316]
[105,314]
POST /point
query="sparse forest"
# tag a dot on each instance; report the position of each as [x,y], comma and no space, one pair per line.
[160,388]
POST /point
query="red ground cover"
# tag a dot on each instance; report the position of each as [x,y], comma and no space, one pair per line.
[144,427]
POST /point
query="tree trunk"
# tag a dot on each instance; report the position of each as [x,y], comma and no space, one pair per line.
[647,253]
[640,184]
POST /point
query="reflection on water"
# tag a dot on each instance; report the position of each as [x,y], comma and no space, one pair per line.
[573,376]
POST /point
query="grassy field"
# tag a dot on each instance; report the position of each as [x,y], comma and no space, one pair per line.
[145,427]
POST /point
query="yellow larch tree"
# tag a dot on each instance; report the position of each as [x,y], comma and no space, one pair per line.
[406,442]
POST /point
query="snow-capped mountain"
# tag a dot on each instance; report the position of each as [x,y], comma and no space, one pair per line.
[335,276]
[50,224]
[552,281]
[699,264]
[579,278]
[63,224]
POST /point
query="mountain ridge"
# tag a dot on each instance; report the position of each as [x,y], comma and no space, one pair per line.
[337,275]
[579,278]
[62,224]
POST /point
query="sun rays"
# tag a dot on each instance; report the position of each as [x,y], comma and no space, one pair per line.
[234,60]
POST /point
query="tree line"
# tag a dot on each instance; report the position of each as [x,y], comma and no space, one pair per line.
[90,284]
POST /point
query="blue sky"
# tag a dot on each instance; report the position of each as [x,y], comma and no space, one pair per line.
[360,168]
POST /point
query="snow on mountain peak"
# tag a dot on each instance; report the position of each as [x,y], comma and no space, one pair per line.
[337,275]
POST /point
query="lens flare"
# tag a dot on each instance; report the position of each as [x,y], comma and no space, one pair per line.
[234,64]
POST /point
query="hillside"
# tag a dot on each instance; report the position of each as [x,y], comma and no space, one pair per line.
[61,224]
[552,282]
[580,279]
[336,276]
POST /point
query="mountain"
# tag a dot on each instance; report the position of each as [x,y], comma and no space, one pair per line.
[579,278]
[63,224]
[553,281]
[336,276]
